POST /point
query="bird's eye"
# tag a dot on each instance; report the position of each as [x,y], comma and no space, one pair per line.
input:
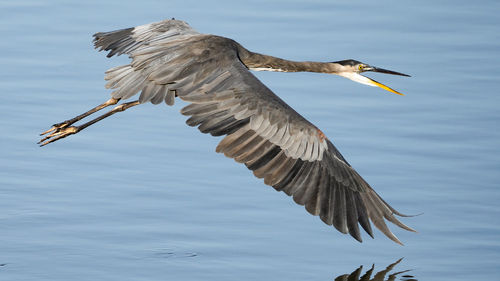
[360,67]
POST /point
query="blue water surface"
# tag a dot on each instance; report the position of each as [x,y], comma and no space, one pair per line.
[142,196]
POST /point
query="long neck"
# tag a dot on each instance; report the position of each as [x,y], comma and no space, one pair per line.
[258,61]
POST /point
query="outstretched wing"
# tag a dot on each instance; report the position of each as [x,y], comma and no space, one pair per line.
[170,59]
[127,40]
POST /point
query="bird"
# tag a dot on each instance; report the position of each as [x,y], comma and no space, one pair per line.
[170,60]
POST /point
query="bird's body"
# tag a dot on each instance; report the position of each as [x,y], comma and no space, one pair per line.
[170,59]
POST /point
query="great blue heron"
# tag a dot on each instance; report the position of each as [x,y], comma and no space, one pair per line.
[170,59]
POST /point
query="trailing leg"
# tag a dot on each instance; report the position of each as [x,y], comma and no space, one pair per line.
[65,130]
[64,124]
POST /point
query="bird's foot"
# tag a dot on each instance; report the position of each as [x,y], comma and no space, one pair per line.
[64,129]
[57,132]
[57,127]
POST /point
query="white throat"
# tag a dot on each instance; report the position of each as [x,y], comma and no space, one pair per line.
[357,78]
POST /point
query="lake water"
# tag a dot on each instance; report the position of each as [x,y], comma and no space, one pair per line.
[142,196]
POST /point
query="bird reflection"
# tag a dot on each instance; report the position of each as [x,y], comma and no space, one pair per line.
[379,276]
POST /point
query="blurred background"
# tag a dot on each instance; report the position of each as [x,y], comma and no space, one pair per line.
[142,196]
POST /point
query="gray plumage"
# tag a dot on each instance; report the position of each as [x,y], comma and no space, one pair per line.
[169,59]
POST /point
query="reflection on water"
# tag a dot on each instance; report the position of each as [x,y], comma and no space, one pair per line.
[379,276]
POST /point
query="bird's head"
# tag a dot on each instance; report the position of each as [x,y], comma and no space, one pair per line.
[352,68]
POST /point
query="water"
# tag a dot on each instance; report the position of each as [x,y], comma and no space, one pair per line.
[141,196]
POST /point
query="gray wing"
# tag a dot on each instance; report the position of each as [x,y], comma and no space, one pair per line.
[260,129]
[127,40]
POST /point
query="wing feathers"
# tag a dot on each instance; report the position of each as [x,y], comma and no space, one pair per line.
[339,210]
[125,41]
[352,216]
[270,166]
[307,185]
[247,151]
[263,156]
[326,200]
[229,127]
[160,95]
[292,173]
[255,152]
[280,172]
[376,217]
[114,40]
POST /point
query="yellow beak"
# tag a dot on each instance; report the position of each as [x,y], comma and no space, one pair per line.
[378,84]
[367,81]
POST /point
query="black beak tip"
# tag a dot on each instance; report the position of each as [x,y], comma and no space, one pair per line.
[386,71]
